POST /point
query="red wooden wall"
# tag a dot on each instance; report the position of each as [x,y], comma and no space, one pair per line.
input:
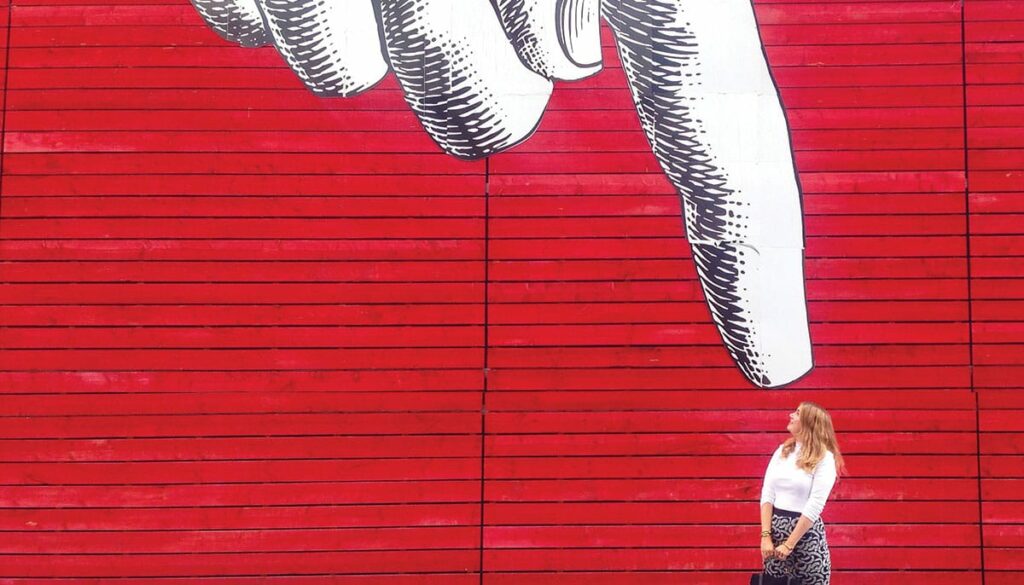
[252,334]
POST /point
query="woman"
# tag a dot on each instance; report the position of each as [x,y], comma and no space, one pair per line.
[797,483]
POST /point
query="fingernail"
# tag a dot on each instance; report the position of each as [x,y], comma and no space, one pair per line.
[580,31]
[559,39]
[756,297]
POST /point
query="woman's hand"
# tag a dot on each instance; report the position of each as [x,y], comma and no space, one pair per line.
[767,548]
[782,551]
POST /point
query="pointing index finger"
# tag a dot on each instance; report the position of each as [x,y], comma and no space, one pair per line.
[712,114]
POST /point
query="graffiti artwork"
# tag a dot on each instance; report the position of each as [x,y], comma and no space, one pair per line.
[479,80]
[466,292]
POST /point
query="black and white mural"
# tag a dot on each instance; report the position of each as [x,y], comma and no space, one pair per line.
[478,74]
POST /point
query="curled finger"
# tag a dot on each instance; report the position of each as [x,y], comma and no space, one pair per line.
[461,76]
[333,46]
[238,21]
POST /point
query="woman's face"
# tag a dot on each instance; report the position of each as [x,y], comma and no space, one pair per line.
[794,422]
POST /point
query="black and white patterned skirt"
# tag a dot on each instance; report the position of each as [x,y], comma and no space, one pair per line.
[810,562]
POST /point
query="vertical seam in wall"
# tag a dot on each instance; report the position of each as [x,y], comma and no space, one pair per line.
[967,197]
[977,450]
[3,117]
[970,296]
[486,343]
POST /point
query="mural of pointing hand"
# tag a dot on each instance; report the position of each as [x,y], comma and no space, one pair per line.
[478,74]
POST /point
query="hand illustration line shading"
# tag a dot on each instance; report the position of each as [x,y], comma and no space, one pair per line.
[479,73]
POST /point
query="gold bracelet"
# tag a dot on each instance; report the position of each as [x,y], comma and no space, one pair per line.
[787,546]
[766,533]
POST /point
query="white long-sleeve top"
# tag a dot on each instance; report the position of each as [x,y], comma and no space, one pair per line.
[788,487]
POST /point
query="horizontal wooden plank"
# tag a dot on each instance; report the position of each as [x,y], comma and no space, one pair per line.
[509,444]
[240,472]
[106,566]
[324,380]
[259,494]
[709,420]
[498,514]
[578,151]
[670,575]
[266,402]
[322,207]
[242,518]
[244,76]
[221,163]
[447,468]
[702,378]
[405,315]
[416,315]
[823,250]
[640,536]
[272,293]
[698,513]
[681,356]
[638,399]
[772,33]
[244,448]
[266,121]
[266,541]
[433,578]
[960,558]
[470,336]
[250,185]
[105,360]
[168,542]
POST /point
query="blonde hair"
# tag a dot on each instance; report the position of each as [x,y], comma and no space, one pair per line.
[816,437]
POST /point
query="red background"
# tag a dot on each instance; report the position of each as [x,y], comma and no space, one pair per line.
[251,332]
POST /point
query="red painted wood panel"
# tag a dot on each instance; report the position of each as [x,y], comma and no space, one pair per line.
[993,49]
[616,410]
[278,369]
[252,334]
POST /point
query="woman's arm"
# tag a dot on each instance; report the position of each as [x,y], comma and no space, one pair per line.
[821,486]
[766,517]
[802,526]
[768,487]
[767,503]
[767,544]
